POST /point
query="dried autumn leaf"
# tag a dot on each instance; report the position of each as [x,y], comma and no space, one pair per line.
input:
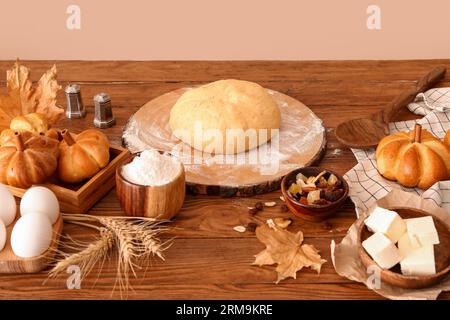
[22,98]
[19,98]
[285,249]
[263,258]
[45,95]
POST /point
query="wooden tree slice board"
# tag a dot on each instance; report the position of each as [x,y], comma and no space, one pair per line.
[302,142]
[10,263]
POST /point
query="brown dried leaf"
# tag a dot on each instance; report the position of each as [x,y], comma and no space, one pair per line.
[19,98]
[285,249]
[263,258]
[22,98]
[45,95]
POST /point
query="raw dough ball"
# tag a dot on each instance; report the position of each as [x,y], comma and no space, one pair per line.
[223,105]
[31,235]
[7,205]
[40,200]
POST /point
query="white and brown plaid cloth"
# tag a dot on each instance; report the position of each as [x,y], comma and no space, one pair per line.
[367,185]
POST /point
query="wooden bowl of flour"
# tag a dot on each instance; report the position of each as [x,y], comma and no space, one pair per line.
[158,201]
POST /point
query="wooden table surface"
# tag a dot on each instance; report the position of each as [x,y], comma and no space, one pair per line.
[209,260]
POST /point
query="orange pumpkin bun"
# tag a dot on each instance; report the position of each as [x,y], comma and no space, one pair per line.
[83,155]
[27,159]
[414,159]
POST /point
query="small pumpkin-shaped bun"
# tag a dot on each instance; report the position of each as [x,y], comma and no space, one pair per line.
[7,138]
[414,159]
[447,138]
[35,123]
[27,159]
[82,155]
[32,122]
[53,134]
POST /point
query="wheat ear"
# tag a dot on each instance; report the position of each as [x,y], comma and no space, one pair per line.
[89,256]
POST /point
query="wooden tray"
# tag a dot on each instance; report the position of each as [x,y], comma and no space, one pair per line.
[79,198]
[148,128]
[10,263]
[441,253]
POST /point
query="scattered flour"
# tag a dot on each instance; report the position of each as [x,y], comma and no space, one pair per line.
[152,169]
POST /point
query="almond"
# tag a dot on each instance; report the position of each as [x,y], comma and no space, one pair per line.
[282,223]
[270,204]
[239,229]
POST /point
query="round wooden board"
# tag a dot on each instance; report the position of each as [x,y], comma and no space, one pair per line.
[302,142]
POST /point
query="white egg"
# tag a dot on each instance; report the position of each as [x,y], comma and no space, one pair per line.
[31,235]
[7,205]
[2,235]
[40,199]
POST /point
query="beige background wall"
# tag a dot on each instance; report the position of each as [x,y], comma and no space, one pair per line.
[224,29]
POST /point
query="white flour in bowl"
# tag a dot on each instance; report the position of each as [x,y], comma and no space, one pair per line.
[151,169]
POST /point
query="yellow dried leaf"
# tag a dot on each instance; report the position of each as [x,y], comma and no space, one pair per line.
[22,98]
[285,249]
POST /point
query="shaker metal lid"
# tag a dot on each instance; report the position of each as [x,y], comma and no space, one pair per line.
[102,97]
[72,88]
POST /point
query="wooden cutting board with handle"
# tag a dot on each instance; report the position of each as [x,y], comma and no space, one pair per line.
[365,133]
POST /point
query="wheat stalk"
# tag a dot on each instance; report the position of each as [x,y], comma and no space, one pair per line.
[89,256]
[146,234]
[134,238]
[128,249]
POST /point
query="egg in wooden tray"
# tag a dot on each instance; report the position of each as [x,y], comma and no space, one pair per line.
[28,236]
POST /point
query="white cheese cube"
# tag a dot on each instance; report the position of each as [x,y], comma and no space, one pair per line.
[382,250]
[404,246]
[416,261]
[422,231]
[387,222]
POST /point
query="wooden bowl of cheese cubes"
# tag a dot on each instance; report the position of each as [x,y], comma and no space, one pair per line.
[409,245]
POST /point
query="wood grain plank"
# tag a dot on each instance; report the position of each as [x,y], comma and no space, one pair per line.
[168,71]
[349,291]
[206,217]
[198,291]
[228,261]
[320,94]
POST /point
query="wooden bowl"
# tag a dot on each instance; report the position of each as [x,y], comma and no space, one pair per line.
[394,276]
[311,212]
[161,202]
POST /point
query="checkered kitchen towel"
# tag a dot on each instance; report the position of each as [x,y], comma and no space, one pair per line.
[367,185]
